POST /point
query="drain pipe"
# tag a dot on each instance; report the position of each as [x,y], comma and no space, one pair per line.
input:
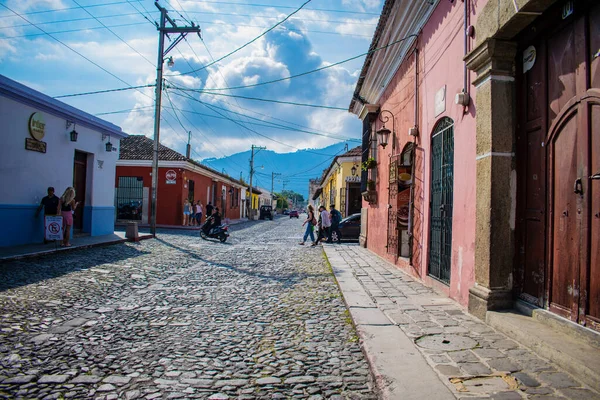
[414,133]
[463,97]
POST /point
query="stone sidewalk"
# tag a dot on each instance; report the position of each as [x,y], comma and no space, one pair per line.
[423,345]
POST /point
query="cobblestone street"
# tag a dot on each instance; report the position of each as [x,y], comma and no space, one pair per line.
[179,317]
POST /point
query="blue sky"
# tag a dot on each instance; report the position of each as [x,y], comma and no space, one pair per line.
[320,34]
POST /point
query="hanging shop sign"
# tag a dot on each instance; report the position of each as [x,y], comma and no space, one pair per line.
[353,179]
[393,171]
[37,130]
[171,177]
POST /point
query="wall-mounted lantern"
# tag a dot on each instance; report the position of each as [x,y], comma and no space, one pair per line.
[383,134]
[73,134]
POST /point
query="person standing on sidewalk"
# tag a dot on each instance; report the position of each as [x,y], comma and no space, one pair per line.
[209,210]
[67,205]
[198,213]
[50,205]
[336,218]
[324,225]
[310,225]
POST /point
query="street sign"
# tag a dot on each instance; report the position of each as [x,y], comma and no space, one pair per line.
[53,225]
[171,177]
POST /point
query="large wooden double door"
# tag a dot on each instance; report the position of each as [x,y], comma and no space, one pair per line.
[558,157]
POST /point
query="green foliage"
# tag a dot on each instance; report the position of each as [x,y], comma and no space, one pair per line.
[368,164]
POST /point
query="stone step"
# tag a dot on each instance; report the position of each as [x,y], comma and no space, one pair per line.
[575,350]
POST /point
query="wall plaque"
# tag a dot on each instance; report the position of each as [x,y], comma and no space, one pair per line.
[35,145]
[440,101]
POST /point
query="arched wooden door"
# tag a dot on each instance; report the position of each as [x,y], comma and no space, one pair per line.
[574,205]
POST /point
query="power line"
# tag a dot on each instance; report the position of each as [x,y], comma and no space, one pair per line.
[73,8]
[66,45]
[104,91]
[248,43]
[288,7]
[72,30]
[249,129]
[314,70]
[258,99]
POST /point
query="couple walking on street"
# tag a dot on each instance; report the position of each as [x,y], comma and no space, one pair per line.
[64,206]
[328,224]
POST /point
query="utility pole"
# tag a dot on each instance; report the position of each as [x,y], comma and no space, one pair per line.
[188,152]
[273,175]
[257,148]
[162,31]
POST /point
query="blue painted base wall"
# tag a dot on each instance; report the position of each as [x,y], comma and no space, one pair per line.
[19,225]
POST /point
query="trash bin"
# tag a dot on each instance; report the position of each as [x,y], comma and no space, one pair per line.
[131,231]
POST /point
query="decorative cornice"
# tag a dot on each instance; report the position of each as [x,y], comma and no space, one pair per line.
[368,109]
[492,58]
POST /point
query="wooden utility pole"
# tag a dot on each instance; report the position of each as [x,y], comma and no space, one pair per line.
[162,31]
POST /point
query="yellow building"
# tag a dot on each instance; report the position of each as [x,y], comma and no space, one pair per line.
[340,184]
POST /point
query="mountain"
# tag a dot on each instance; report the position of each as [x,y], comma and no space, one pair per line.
[295,168]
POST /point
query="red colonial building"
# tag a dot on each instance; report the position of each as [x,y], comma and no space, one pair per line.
[180,178]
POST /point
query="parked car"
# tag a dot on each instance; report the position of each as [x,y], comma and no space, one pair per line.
[350,227]
[265,212]
[130,211]
[294,214]
[286,212]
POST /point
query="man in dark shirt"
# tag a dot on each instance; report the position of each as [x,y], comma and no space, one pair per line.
[209,209]
[50,205]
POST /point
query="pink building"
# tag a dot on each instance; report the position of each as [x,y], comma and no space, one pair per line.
[487,187]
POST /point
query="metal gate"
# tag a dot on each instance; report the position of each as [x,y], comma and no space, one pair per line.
[442,183]
[130,196]
[392,228]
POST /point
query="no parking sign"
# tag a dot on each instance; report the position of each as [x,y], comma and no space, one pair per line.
[53,226]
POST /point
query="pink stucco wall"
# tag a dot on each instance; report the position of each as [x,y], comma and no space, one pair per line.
[440,62]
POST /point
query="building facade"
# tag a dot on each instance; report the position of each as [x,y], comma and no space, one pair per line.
[180,178]
[41,150]
[340,184]
[489,175]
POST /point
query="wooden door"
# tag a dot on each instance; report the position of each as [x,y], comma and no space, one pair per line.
[558,155]
[79,183]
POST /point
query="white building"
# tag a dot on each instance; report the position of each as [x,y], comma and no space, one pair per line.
[39,149]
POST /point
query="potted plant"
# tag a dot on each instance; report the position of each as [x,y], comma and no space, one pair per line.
[368,164]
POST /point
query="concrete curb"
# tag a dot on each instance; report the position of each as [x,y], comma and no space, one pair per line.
[399,369]
[69,249]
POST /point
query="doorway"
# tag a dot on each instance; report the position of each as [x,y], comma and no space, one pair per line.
[558,157]
[442,195]
[79,184]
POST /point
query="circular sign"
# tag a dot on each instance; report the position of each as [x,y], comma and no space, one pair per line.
[37,126]
[529,56]
[171,175]
[54,228]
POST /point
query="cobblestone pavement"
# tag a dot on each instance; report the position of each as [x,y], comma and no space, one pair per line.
[473,359]
[179,317]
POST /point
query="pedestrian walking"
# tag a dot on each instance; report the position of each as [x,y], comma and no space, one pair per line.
[186,212]
[310,223]
[50,205]
[198,213]
[67,205]
[324,225]
[336,218]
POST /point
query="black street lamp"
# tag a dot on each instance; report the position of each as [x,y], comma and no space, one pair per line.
[383,134]
[73,135]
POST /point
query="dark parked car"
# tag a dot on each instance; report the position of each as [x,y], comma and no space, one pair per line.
[294,214]
[350,227]
[286,212]
[266,212]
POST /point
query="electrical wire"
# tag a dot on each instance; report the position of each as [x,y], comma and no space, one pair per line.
[104,91]
[73,8]
[258,99]
[67,46]
[314,70]
[248,43]
[249,129]
[287,7]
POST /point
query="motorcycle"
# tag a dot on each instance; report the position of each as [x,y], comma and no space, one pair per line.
[220,232]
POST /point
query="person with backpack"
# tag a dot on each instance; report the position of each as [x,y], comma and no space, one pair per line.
[336,218]
[324,225]
[310,224]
